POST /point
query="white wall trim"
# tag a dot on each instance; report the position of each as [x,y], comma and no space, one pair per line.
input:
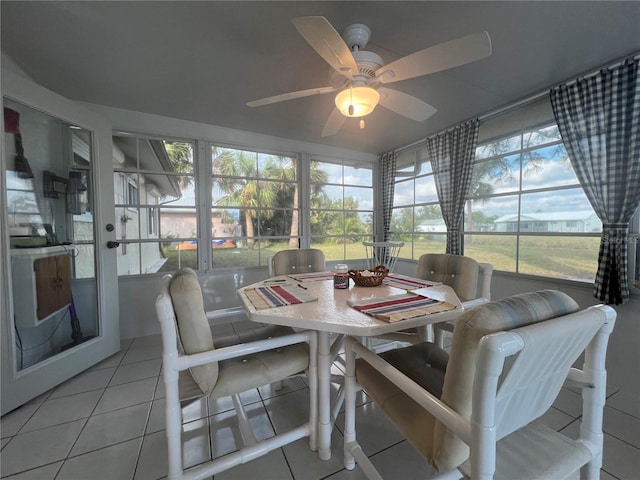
[138,122]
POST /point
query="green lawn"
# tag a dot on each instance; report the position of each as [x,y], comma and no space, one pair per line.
[562,257]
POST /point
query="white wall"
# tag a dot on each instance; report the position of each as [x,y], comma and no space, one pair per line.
[169,127]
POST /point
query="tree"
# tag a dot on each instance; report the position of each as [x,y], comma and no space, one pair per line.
[317,177]
[238,180]
[181,158]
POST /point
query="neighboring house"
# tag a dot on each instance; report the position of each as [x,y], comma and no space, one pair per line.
[135,196]
[560,222]
[180,222]
[435,225]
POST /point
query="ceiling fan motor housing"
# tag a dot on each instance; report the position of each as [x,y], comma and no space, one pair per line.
[368,63]
[356,36]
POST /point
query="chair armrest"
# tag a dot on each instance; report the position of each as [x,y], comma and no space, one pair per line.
[476,302]
[442,412]
[223,312]
[185,362]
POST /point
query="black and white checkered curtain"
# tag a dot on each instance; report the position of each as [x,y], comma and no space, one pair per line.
[452,154]
[599,120]
[388,164]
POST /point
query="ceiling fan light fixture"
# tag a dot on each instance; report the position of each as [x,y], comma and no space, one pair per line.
[357,101]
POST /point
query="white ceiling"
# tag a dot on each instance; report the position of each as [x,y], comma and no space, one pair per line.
[202,61]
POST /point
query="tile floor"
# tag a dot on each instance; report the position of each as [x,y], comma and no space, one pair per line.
[108,424]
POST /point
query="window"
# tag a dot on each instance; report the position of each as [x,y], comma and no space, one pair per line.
[341,203]
[254,206]
[22,204]
[416,219]
[153,222]
[526,211]
[156,217]
[132,194]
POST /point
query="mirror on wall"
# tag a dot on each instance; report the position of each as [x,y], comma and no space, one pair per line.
[50,230]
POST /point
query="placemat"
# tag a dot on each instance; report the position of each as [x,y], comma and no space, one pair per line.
[407,283]
[312,276]
[401,307]
[277,296]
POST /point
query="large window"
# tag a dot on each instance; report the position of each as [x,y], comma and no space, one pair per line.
[258,203]
[526,211]
[416,219]
[156,216]
[341,203]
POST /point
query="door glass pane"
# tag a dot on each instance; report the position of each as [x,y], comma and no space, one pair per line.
[51,233]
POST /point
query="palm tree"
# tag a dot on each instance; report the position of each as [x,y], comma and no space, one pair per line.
[238,180]
[181,158]
[288,173]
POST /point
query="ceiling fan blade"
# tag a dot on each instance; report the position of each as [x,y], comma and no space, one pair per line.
[334,123]
[437,58]
[290,96]
[405,105]
[325,40]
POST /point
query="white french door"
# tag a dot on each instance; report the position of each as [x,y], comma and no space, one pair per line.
[58,284]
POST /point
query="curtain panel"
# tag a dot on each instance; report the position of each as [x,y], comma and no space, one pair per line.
[599,121]
[388,164]
[452,154]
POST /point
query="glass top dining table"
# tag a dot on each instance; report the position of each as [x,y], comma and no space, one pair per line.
[328,310]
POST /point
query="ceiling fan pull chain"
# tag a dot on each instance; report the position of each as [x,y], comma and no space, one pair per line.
[351,103]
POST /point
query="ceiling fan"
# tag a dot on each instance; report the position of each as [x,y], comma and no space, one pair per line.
[358,75]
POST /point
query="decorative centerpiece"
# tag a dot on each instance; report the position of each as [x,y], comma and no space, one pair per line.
[369,278]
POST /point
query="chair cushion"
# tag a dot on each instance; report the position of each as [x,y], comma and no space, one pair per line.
[303,260]
[261,332]
[457,271]
[194,332]
[425,364]
[470,327]
[251,371]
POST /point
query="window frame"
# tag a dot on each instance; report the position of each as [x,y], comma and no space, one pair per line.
[351,241]
[133,177]
[412,166]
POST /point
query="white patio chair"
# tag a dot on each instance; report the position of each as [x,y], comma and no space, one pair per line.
[471,280]
[297,260]
[382,253]
[194,368]
[509,359]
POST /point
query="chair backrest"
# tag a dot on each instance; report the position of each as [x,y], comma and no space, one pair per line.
[180,310]
[459,272]
[298,260]
[382,253]
[504,315]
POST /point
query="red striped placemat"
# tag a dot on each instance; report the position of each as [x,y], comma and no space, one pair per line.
[401,307]
[277,296]
[312,276]
[407,283]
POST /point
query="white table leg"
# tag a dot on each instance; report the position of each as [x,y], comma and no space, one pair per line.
[324,396]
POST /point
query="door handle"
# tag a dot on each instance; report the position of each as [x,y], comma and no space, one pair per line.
[112,244]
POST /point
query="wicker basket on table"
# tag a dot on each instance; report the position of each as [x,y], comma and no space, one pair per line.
[372,279]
